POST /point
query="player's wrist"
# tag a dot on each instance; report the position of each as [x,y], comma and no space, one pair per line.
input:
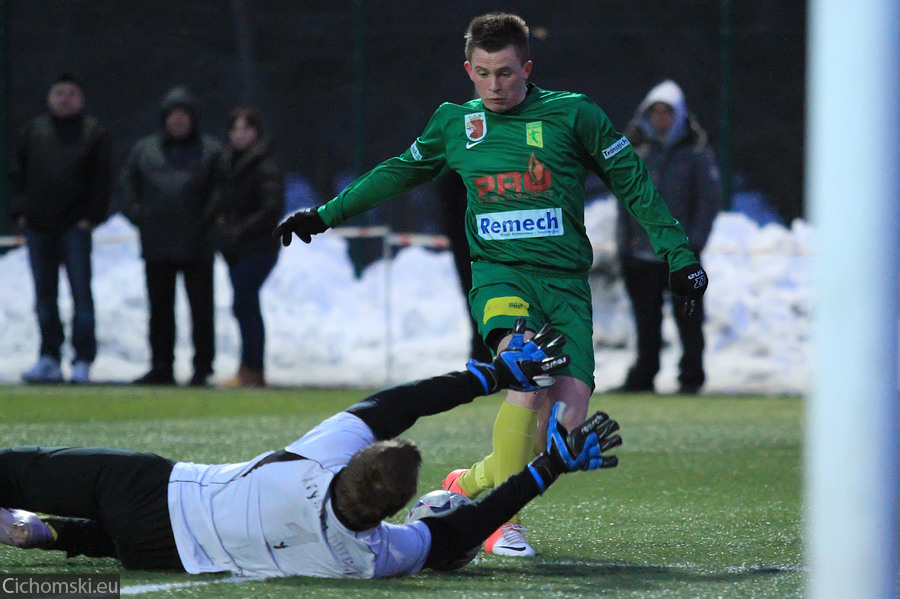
[487,376]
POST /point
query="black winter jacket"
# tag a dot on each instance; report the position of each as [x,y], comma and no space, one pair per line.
[169,197]
[248,202]
[61,173]
[168,185]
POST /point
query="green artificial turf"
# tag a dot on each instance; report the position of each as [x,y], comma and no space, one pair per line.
[705,501]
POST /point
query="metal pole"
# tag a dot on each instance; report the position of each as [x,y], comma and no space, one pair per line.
[244,43]
[725,78]
[358,248]
[852,430]
[359,85]
[387,254]
[5,125]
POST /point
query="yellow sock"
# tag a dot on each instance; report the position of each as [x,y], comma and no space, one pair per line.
[476,480]
[515,431]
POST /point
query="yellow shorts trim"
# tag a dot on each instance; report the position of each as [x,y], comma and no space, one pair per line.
[505,306]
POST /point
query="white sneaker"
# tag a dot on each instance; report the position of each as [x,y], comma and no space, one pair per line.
[509,539]
[81,373]
[46,370]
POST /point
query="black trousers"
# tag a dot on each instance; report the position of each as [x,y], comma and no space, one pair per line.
[102,502]
[198,284]
[646,284]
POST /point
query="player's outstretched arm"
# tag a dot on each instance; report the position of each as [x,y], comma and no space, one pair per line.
[305,222]
[522,365]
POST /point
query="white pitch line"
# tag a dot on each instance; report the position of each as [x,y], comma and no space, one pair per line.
[140,589]
[755,568]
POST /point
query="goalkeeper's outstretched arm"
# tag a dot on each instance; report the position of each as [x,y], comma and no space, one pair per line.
[391,411]
[524,365]
[457,532]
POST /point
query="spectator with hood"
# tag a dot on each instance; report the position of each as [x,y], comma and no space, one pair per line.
[60,183]
[675,148]
[167,182]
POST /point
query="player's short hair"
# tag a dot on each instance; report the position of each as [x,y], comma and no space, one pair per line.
[494,31]
[377,482]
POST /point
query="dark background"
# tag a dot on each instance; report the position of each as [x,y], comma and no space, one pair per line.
[345,84]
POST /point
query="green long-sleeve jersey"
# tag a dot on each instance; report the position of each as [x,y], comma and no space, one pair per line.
[524,172]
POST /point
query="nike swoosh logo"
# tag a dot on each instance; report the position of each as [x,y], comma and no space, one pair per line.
[515,548]
[472,144]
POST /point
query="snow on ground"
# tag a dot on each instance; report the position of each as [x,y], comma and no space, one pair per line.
[408,319]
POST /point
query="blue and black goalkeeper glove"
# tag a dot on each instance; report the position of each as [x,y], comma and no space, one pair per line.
[305,222]
[522,365]
[688,284]
[582,449]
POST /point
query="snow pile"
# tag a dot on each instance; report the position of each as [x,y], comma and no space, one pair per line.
[408,319]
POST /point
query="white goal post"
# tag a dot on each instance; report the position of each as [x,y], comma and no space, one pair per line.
[853,191]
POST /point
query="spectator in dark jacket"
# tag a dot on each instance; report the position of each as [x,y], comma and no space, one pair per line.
[247,204]
[60,181]
[167,179]
[683,167]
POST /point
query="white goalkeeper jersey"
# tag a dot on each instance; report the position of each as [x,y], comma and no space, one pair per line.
[277,519]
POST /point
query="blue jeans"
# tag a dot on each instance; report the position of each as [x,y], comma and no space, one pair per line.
[46,253]
[247,277]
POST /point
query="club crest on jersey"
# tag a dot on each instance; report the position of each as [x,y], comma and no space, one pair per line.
[534,134]
[476,126]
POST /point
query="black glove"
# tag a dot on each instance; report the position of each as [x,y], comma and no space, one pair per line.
[688,284]
[582,449]
[522,365]
[305,222]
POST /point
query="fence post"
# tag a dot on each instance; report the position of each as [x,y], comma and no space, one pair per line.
[5,125]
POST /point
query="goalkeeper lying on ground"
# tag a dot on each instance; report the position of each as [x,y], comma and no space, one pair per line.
[315,508]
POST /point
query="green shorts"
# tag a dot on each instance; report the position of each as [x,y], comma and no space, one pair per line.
[501,294]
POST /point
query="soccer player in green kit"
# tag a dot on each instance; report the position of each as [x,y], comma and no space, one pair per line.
[524,154]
